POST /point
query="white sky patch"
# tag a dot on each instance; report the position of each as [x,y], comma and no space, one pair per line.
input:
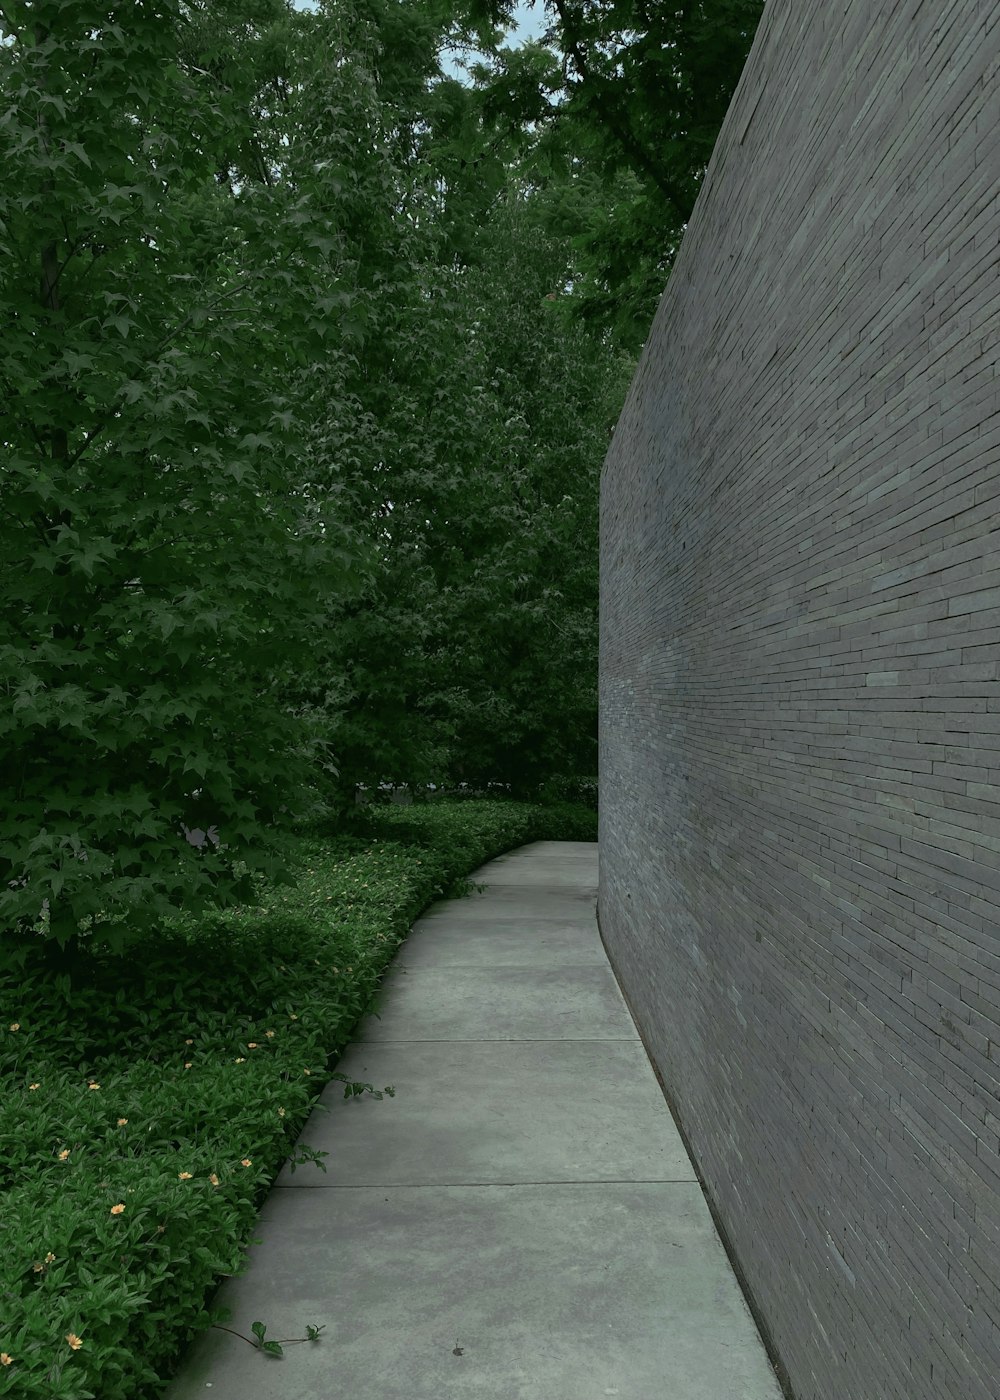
[530,21]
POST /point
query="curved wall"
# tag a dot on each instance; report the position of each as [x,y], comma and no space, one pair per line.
[800,704]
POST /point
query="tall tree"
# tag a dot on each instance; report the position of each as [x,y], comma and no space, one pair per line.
[162,296]
[644,87]
[472,655]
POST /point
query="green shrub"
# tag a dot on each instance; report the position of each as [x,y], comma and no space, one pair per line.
[148,1103]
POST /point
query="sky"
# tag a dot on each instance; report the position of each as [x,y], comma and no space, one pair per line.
[530,17]
[530,21]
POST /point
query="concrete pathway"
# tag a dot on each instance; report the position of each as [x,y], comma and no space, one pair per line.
[521,1221]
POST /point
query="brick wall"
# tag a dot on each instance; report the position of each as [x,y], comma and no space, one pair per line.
[800,651]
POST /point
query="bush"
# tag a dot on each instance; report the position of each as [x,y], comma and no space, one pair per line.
[577,792]
[147,1104]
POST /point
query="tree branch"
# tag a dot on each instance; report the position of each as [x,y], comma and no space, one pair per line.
[626,138]
[103,422]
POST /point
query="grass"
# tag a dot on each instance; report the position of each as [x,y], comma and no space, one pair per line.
[148,1103]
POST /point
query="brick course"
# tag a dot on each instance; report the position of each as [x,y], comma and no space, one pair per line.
[800,693]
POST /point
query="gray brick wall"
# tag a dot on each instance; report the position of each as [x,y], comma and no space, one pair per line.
[800,652]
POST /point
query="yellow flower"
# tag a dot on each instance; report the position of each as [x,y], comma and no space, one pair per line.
[187,1064]
[33,1087]
[247,1162]
[292,1016]
[183,1176]
[189,1042]
[240,1060]
[92,1085]
[122,1122]
[74,1341]
[269,1034]
[5,1358]
[50,1258]
[63,1154]
[15,1025]
[213,1179]
[251,1045]
[117,1210]
[281,1113]
[307,1071]
[38,1268]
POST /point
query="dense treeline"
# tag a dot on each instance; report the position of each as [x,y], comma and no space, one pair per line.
[311,355]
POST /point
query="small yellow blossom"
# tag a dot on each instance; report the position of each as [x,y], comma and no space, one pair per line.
[251,1045]
[118,1209]
[240,1060]
[307,1071]
[189,1042]
[161,1229]
[38,1268]
[269,1034]
[33,1087]
[92,1085]
[281,1113]
[74,1341]
[187,1064]
[50,1258]
[63,1154]
[15,1025]
[247,1162]
[6,1359]
[213,1178]
[122,1122]
[183,1176]
[292,1016]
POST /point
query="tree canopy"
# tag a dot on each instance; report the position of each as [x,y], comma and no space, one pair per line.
[311,358]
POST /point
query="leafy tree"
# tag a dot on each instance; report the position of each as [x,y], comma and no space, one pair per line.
[300,441]
[472,655]
[643,89]
[166,552]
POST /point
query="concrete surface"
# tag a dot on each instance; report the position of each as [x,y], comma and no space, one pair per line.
[520,1221]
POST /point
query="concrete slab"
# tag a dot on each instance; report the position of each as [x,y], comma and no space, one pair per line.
[527,859]
[520,1111]
[569,1292]
[550,878]
[557,849]
[516,902]
[520,1222]
[585,854]
[507,943]
[500,1003]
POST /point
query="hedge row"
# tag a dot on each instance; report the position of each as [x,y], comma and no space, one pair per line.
[148,1103]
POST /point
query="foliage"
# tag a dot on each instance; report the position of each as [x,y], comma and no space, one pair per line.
[175,1084]
[168,551]
[472,653]
[643,87]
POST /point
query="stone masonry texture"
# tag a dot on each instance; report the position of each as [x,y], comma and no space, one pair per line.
[800,703]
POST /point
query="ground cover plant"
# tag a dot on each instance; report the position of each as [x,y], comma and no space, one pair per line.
[147,1102]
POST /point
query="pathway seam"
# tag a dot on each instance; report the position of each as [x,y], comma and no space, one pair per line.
[557,1286]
